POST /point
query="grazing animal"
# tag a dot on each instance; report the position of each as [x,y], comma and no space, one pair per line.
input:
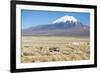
[76,43]
[54,49]
[41,48]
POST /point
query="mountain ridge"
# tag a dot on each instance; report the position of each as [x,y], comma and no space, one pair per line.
[69,26]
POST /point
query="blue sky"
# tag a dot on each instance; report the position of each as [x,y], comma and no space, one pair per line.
[31,18]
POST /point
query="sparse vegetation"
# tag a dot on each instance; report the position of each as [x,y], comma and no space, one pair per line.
[53,48]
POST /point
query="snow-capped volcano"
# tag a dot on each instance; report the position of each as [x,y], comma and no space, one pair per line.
[63,26]
[65,18]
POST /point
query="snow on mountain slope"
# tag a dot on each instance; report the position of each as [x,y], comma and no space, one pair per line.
[63,26]
[65,19]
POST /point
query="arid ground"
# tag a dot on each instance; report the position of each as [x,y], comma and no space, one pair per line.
[54,48]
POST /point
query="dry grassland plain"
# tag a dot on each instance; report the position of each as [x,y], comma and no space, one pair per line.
[54,48]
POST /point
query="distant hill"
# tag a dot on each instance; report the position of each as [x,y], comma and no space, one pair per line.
[63,26]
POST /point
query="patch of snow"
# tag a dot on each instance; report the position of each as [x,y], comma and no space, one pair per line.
[65,19]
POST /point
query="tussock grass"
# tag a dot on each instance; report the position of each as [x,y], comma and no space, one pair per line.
[45,49]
